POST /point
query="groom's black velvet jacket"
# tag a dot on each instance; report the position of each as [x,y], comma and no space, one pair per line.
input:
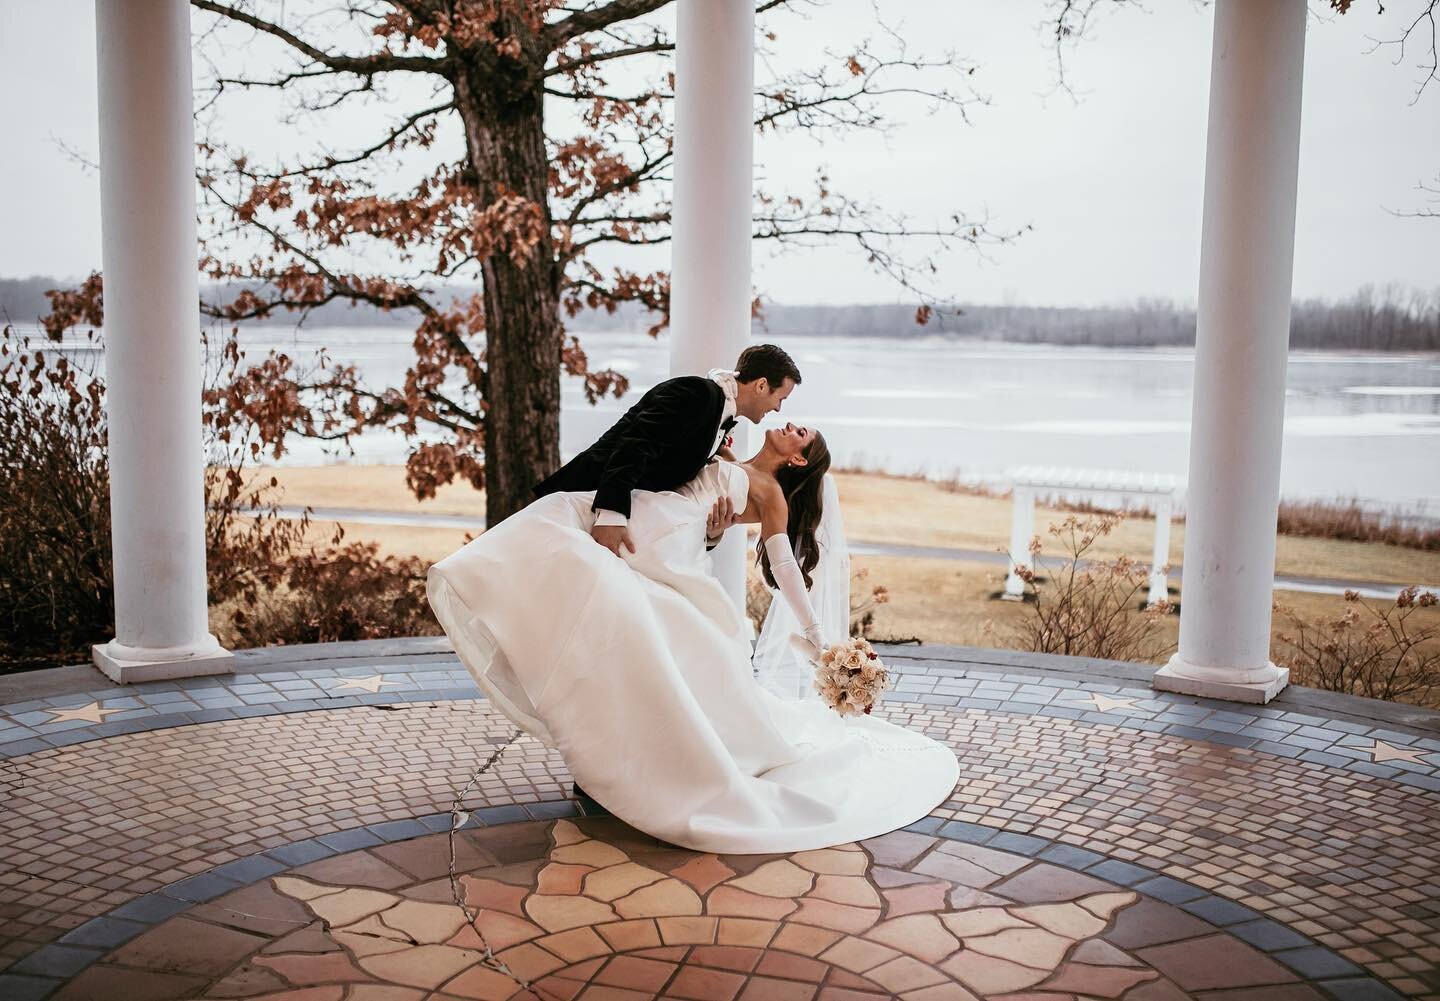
[661,443]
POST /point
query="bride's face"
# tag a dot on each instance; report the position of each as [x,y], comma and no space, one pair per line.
[790,442]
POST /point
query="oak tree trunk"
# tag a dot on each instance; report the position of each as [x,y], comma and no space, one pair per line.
[501,103]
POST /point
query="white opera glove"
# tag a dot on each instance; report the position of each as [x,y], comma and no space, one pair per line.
[791,583]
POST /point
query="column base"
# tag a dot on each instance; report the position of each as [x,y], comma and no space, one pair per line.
[1212,683]
[127,665]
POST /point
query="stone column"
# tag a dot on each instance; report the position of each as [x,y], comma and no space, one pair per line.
[1247,251]
[152,344]
[710,251]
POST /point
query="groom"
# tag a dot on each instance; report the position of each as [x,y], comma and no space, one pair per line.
[665,439]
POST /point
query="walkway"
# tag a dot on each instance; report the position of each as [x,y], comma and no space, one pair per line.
[285,833]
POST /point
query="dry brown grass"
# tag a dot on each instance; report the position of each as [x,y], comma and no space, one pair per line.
[897,510]
[1350,521]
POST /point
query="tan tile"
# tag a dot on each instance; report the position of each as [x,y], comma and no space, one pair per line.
[496,928]
[619,880]
[834,861]
[591,853]
[492,894]
[727,900]
[575,945]
[481,984]
[705,985]
[428,924]
[806,940]
[854,890]
[840,917]
[635,973]
[562,878]
[530,962]
[905,974]
[559,913]
[625,936]
[989,974]
[920,935]
[857,955]
[305,969]
[703,873]
[745,931]
[950,991]
[687,930]
[426,966]
[666,897]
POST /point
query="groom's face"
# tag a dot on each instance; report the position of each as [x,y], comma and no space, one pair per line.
[762,399]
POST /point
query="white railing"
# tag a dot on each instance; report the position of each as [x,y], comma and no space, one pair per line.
[1121,489]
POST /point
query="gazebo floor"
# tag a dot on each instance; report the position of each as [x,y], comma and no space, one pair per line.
[284,833]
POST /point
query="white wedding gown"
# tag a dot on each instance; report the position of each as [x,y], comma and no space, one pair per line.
[638,671]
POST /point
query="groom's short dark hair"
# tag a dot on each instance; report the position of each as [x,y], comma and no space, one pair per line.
[768,362]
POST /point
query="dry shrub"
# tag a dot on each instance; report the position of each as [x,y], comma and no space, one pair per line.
[1090,608]
[1349,521]
[1369,649]
[337,594]
[56,577]
[864,599]
[55,563]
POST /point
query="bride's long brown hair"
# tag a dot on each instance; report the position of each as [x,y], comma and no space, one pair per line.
[803,487]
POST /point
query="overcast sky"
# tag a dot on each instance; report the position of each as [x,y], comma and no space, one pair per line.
[1112,183]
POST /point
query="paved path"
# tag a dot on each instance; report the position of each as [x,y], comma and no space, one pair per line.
[287,829]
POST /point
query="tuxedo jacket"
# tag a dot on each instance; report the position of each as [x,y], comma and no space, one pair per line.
[661,443]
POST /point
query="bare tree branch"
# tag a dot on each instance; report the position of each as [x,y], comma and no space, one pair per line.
[592,19]
[380,62]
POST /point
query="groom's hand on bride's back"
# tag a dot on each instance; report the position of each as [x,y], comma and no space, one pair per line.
[612,537]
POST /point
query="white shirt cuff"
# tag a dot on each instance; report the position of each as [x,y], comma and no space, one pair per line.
[611,518]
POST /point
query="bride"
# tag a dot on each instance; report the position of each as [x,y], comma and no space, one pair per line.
[638,668]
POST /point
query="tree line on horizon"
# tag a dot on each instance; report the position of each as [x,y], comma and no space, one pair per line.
[1374,318]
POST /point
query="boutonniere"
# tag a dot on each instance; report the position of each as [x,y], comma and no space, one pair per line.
[729,441]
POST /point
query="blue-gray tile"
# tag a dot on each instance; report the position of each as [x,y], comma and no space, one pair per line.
[350,840]
[56,960]
[1316,963]
[302,852]
[1359,989]
[18,987]
[104,932]
[1071,857]
[1268,935]
[1219,911]
[198,889]
[151,908]
[250,869]
[1171,891]
[1116,871]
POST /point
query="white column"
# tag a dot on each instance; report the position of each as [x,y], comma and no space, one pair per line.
[1022,529]
[1160,554]
[1246,256]
[710,287]
[152,344]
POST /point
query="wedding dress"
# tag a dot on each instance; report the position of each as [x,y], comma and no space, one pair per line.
[638,671]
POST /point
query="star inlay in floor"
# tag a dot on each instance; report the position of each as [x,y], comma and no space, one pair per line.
[372,684]
[91,713]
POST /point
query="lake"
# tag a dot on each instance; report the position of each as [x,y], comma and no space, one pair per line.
[1357,425]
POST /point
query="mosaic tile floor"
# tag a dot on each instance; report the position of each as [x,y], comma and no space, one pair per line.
[283,833]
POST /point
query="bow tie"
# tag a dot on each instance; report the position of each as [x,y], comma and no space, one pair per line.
[727,424]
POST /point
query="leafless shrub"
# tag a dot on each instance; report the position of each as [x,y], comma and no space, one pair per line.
[1380,651]
[1089,608]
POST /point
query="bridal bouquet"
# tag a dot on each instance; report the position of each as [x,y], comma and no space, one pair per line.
[850,676]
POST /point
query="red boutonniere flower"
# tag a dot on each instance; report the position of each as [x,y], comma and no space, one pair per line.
[729,441]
